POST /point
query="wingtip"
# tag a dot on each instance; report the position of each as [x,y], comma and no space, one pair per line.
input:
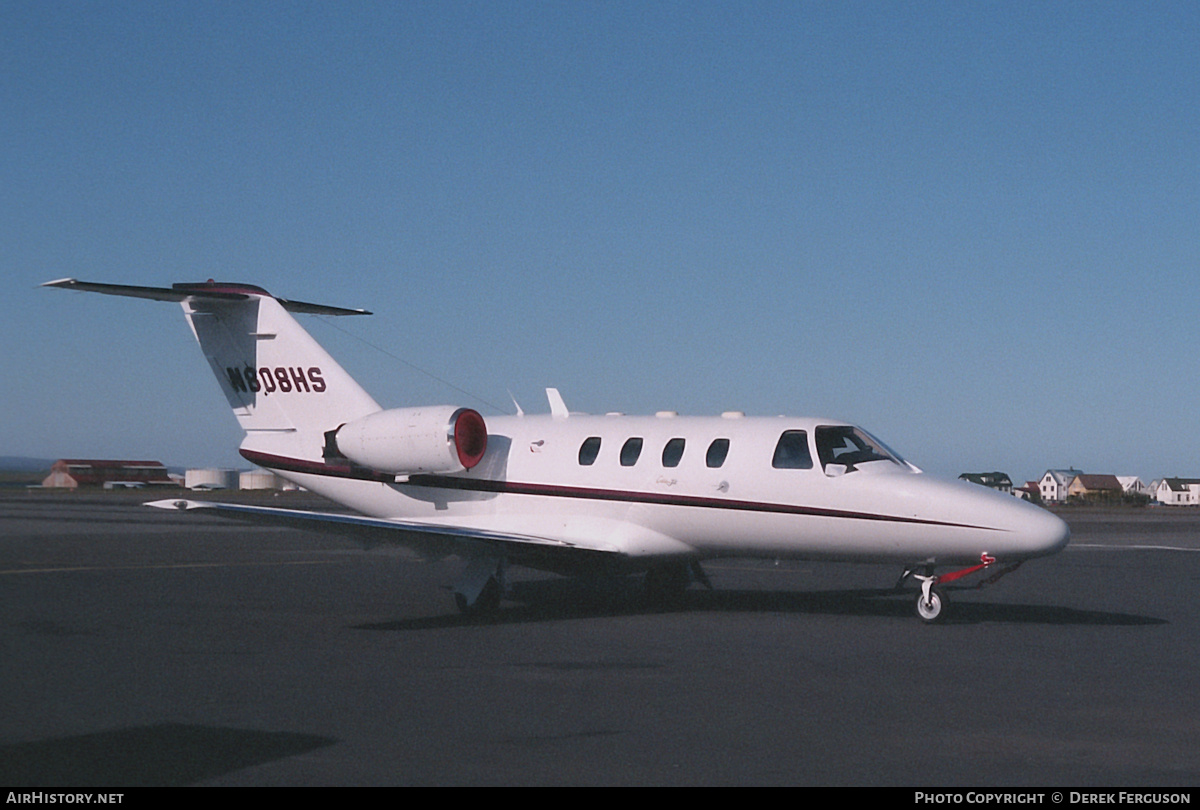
[179,504]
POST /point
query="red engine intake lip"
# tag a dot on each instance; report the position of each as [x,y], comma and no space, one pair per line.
[470,437]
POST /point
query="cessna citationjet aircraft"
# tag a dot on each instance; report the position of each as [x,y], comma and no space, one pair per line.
[576,494]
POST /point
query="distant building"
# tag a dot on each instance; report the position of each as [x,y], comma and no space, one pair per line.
[1178,491]
[1029,492]
[70,473]
[1134,486]
[1054,483]
[1086,487]
[992,480]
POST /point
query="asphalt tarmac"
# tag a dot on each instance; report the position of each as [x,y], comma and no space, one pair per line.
[141,647]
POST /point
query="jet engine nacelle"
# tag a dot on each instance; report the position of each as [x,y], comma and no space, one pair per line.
[415,440]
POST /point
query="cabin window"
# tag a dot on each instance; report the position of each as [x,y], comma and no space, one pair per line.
[630,452]
[791,452]
[589,450]
[672,453]
[717,451]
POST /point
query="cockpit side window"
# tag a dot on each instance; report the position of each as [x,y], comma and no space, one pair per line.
[717,451]
[589,450]
[850,446]
[791,452]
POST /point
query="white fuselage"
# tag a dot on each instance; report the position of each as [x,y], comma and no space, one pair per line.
[664,503]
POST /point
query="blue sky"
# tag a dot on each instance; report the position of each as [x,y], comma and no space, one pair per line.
[973,228]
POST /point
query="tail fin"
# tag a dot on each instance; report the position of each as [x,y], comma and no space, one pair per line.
[284,389]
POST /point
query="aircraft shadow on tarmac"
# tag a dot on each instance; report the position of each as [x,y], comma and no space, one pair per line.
[167,755]
[559,599]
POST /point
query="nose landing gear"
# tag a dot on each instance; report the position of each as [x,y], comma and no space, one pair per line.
[931,601]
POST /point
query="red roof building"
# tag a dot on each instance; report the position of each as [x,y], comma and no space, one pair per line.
[86,472]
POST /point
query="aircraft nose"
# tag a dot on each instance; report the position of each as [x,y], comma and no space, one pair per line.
[1046,533]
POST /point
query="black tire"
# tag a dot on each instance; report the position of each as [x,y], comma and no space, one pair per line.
[933,610]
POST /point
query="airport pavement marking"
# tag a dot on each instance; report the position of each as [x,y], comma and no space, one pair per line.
[1132,547]
[161,566]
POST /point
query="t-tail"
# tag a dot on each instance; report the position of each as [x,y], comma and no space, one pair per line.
[285,390]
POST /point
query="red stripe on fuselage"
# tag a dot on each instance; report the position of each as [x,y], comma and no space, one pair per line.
[579,493]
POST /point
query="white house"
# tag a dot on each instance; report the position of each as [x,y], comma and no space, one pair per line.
[1054,484]
[1178,491]
[1134,486]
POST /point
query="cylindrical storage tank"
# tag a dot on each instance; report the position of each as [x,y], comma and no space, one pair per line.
[258,479]
[211,478]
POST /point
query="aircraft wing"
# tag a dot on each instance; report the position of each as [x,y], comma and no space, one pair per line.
[571,552]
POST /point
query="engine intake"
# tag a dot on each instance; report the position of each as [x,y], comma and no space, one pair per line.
[404,441]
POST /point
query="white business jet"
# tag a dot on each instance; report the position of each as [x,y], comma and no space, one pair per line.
[576,494]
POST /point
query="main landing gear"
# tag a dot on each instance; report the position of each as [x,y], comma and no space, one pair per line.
[481,587]
[665,585]
[931,600]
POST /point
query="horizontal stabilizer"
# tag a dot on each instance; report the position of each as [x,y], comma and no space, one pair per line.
[211,290]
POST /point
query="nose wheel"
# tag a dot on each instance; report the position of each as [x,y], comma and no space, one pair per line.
[931,602]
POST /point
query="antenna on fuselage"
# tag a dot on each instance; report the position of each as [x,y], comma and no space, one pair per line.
[558,408]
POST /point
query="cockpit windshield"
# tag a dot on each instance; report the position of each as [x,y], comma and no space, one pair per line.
[850,446]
